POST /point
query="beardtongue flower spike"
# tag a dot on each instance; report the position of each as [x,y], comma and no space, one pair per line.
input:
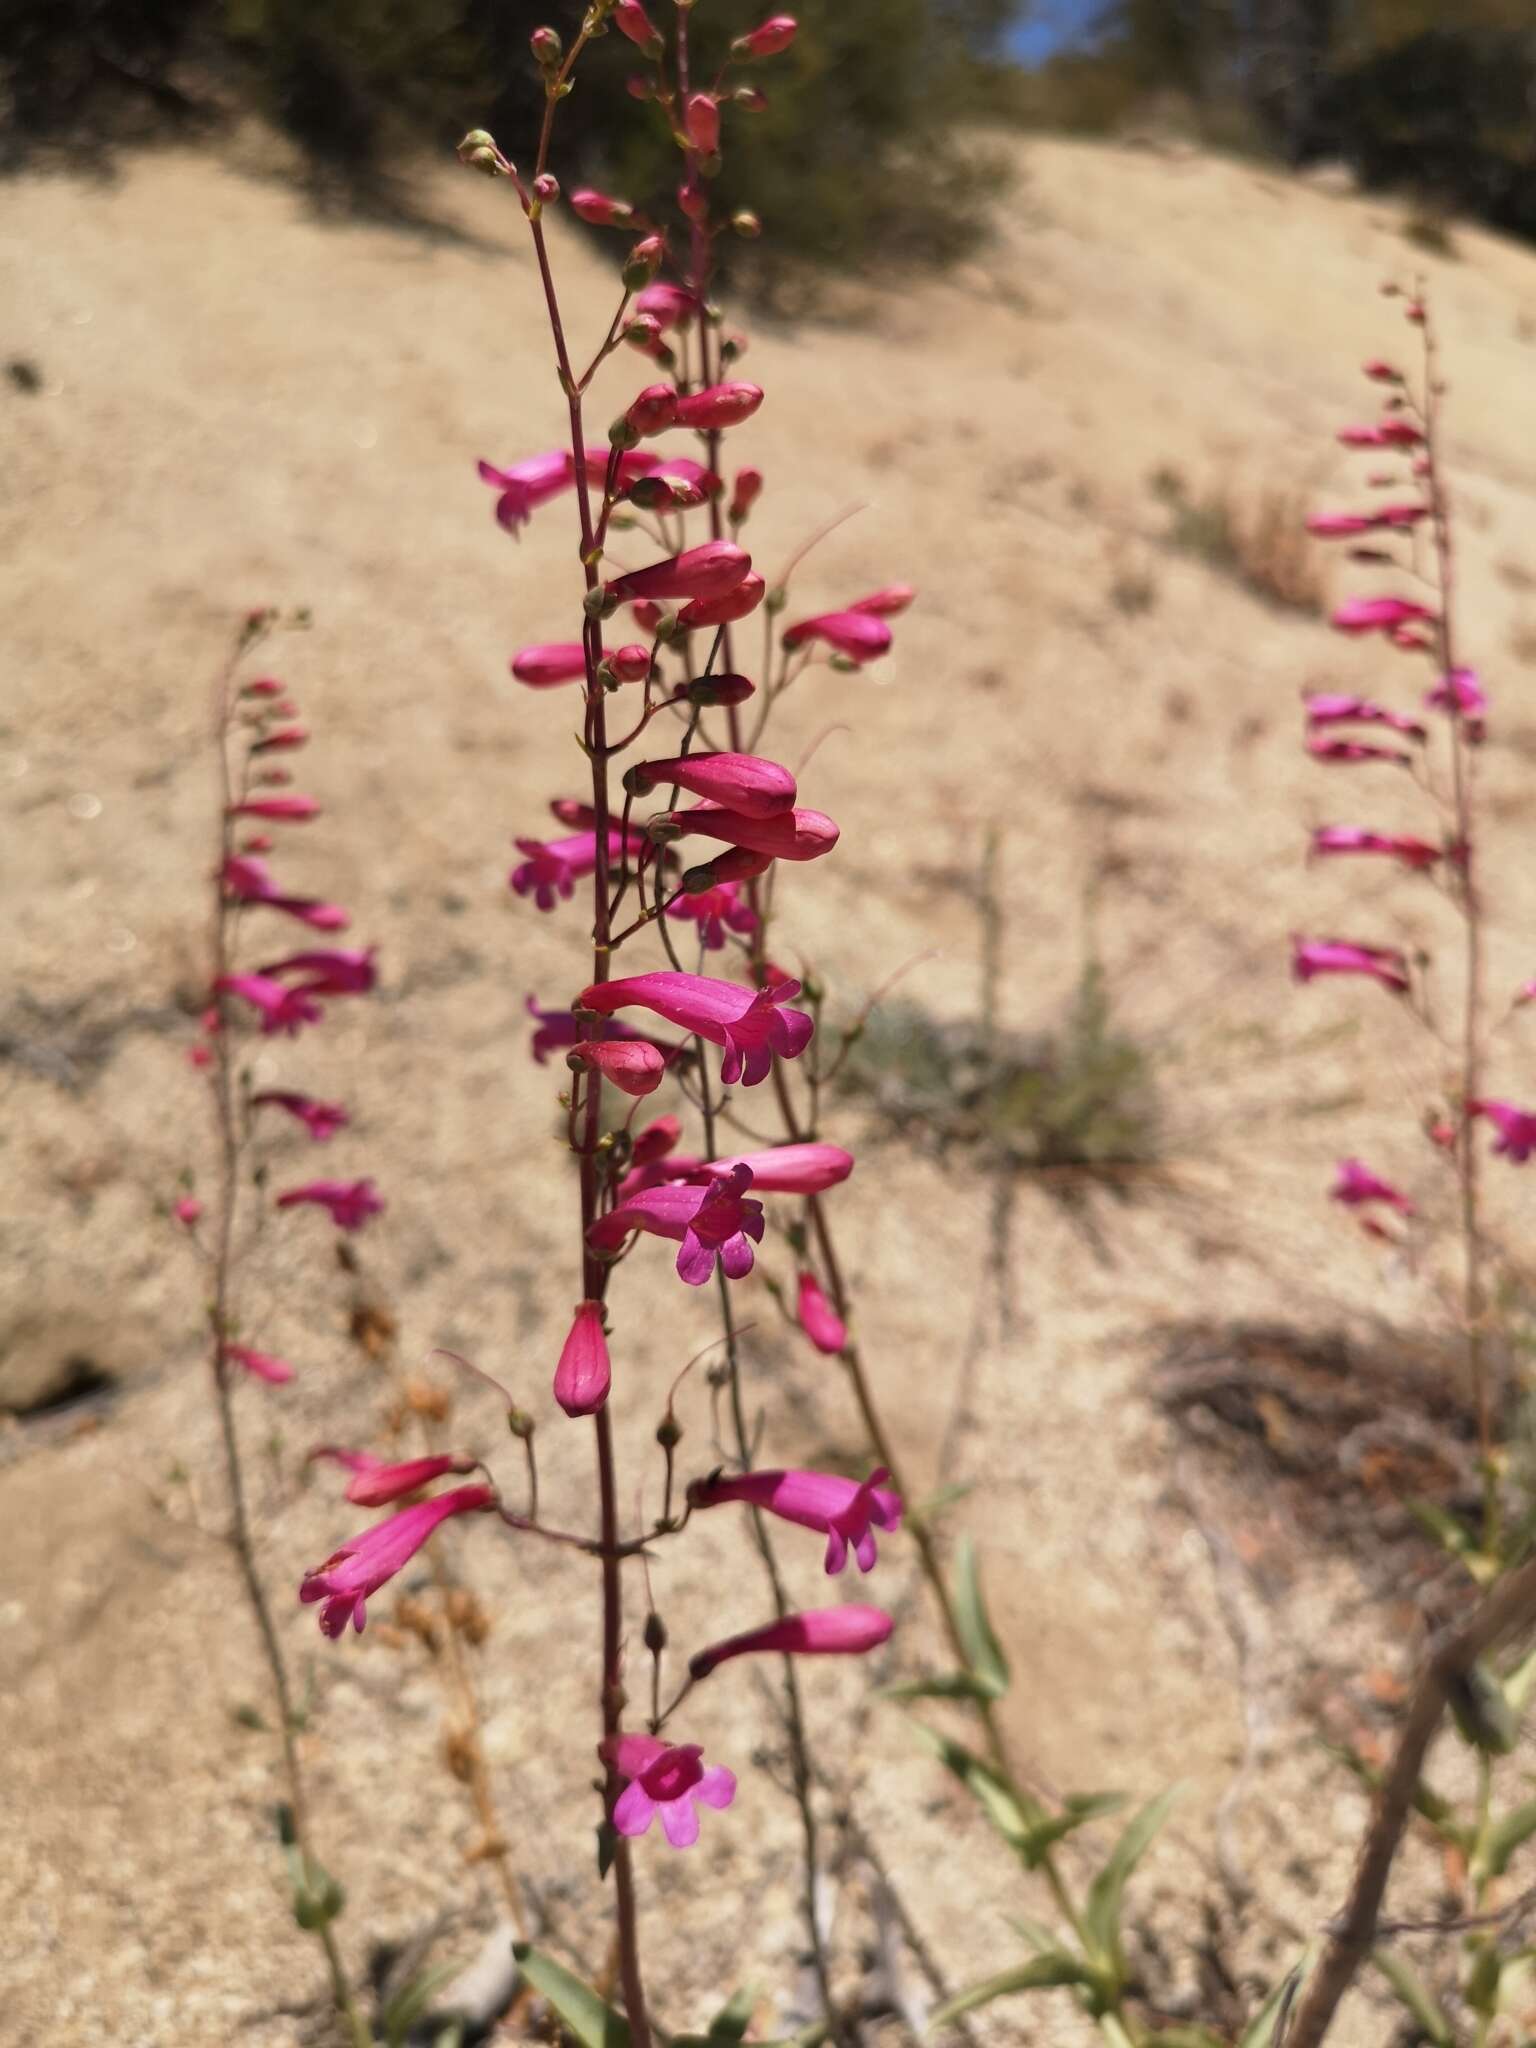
[376,1482]
[718,406]
[584,1373]
[716,1221]
[1516,1128]
[1324,708]
[353,1574]
[819,1320]
[664,1779]
[860,636]
[1377,614]
[321,1119]
[847,1512]
[797,834]
[1357,1187]
[1413,853]
[632,1065]
[725,609]
[329,970]
[803,1169]
[249,880]
[751,1024]
[350,1202]
[261,1365]
[291,810]
[823,1632]
[705,571]
[1386,964]
[280,1008]
[741,782]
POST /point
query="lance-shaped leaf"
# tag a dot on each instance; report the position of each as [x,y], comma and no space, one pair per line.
[1013,1815]
[1500,1839]
[1260,2030]
[983,1652]
[946,1685]
[1077,1810]
[594,2024]
[1101,1914]
[1040,1973]
[410,2002]
[1415,1994]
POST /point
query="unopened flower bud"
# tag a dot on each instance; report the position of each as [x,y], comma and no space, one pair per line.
[768,38]
[746,224]
[623,434]
[751,97]
[479,152]
[601,210]
[547,48]
[599,603]
[697,881]
[638,86]
[651,412]
[631,20]
[643,262]
[546,187]
[692,200]
[669,1432]
[701,122]
[745,493]
[711,690]
[644,331]
[631,664]
[655,1631]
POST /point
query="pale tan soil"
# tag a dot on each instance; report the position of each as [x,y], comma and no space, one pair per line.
[240,405]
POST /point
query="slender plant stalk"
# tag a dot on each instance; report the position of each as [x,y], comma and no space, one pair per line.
[221,1314]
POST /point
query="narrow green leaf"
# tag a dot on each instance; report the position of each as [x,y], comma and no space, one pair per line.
[1012,1817]
[1040,1937]
[1260,2030]
[1500,1839]
[1185,2037]
[983,1652]
[412,2000]
[1450,1534]
[1415,1994]
[1101,1914]
[1040,1973]
[594,2024]
[948,1685]
[731,2022]
[1080,1808]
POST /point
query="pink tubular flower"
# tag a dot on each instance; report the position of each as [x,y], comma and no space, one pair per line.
[701,122]
[886,602]
[293,810]
[787,835]
[584,1374]
[861,636]
[249,880]
[263,686]
[375,1482]
[1382,373]
[632,1065]
[285,738]
[806,1169]
[601,210]
[1377,614]
[1516,1128]
[668,304]
[630,19]
[1357,1187]
[705,571]
[329,970]
[321,1119]
[1346,525]
[556,1031]
[553,867]
[261,1365]
[819,1320]
[1460,691]
[768,38]
[1323,749]
[1413,853]
[1389,433]
[741,782]
[823,1632]
[751,1024]
[664,1780]
[1386,964]
[653,410]
[527,485]
[718,406]
[351,1202]
[728,606]
[357,1570]
[745,492]
[280,1008]
[546,666]
[1324,708]
[714,911]
[707,1223]
[846,1511]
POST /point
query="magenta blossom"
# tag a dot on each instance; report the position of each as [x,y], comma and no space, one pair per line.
[1516,1128]
[188,1212]
[552,867]
[1388,433]
[1346,525]
[351,1202]
[261,1365]
[1462,692]
[527,485]
[751,1024]
[727,606]
[1377,614]
[819,1320]
[1413,853]
[823,1632]
[705,571]
[1327,708]
[717,406]
[713,910]
[738,782]
[846,1511]
[321,1119]
[375,1482]
[329,970]
[664,1780]
[1386,964]
[1357,1186]
[249,880]
[1322,748]
[886,602]
[280,1008]
[293,810]
[557,1030]
[584,1373]
[788,835]
[707,1223]
[861,636]
[668,304]
[544,666]
[806,1169]
[631,1064]
[356,1571]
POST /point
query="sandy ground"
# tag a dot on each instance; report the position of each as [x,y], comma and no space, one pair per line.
[241,405]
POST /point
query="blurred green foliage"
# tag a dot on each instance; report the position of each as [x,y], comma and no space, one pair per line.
[862,157]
